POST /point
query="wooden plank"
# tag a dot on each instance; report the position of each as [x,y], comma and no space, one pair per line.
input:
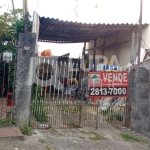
[107,46]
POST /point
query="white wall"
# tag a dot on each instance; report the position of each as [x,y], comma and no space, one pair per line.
[123,51]
[146,37]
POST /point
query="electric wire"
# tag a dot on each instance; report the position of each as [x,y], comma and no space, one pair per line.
[37,5]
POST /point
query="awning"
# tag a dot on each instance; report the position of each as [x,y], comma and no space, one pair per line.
[58,31]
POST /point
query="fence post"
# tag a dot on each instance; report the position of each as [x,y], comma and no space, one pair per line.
[97,116]
[80,113]
[26,50]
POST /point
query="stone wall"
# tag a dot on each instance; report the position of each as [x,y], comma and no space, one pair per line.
[139,97]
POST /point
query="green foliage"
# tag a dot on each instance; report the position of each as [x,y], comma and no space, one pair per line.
[129,138]
[9,31]
[7,122]
[42,141]
[38,108]
[115,116]
[83,132]
[68,108]
[26,129]
[49,148]
[97,136]
[111,115]
[81,137]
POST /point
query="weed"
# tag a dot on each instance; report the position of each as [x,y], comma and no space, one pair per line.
[66,108]
[42,141]
[127,137]
[6,122]
[97,137]
[113,116]
[49,148]
[106,112]
[53,129]
[81,137]
[26,129]
[38,108]
[60,134]
[83,132]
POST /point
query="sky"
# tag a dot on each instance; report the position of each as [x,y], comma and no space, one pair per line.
[89,11]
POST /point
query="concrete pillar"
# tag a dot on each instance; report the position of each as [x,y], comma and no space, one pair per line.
[26,50]
[140,101]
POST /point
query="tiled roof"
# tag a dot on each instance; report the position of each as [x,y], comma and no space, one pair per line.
[58,31]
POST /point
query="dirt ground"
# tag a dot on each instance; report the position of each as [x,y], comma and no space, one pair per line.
[77,139]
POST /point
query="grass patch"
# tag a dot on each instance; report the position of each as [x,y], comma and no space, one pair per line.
[60,134]
[81,137]
[53,129]
[127,137]
[97,137]
[94,133]
[49,148]
[42,141]
[84,132]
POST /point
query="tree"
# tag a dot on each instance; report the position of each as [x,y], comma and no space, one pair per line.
[9,37]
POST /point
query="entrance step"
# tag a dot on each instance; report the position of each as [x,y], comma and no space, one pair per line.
[8,132]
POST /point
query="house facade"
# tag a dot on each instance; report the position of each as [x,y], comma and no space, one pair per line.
[124,45]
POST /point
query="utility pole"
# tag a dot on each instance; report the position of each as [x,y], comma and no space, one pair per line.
[140,32]
[13,9]
[26,15]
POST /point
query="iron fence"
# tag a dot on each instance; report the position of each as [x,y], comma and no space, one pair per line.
[60,98]
[7,86]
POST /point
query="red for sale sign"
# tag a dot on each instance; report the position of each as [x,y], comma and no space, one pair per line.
[108,84]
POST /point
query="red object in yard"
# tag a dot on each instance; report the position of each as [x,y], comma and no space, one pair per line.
[9,99]
[72,98]
[46,90]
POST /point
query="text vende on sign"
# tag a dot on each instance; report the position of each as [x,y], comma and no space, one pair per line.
[108,84]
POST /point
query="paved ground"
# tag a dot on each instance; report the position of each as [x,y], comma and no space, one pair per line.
[76,139]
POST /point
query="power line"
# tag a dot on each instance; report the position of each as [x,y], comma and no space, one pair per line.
[13,9]
[37,5]
[140,31]
[8,6]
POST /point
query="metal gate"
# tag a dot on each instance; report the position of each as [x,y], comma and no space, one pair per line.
[59,100]
[7,86]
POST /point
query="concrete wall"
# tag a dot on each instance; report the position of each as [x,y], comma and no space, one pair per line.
[139,96]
